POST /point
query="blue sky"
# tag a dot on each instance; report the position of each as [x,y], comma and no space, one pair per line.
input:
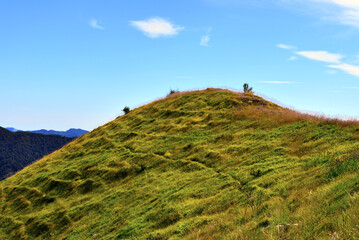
[78,63]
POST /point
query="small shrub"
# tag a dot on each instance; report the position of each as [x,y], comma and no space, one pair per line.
[126,110]
[173,92]
[246,88]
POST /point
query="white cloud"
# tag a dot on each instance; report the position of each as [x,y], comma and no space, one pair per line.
[349,17]
[156,27]
[292,58]
[204,40]
[346,3]
[344,11]
[277,82]
[323,56]
[351,69]
[284,46]
[341,11]
[94,24]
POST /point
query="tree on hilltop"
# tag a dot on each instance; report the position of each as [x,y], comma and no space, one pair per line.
[246,88]
[126,110]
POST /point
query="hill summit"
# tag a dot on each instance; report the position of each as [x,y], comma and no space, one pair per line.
[211,164]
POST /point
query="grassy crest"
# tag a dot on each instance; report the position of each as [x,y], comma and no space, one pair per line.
[211,164]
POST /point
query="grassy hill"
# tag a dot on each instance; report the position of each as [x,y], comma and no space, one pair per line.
[17,150]
[211,164]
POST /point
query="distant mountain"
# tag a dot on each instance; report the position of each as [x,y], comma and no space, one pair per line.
[72,132]
[19,149]
[12,129]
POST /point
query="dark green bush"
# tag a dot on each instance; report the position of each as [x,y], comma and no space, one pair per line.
[246,88]
[126,110]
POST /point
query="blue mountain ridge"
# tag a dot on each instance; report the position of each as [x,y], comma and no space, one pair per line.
[72,132]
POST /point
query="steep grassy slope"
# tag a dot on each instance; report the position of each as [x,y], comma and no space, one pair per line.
[17,150]
[209,164]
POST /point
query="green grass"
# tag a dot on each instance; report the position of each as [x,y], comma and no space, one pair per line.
[209,164]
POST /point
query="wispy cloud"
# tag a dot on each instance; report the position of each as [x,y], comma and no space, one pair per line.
[349,17]
[157,27]
[323,56]
[292,58]
[333,58]
[94,23]
[342,11]
[284,46]
[351,69]
[346,3]
[205,39]
[277,82]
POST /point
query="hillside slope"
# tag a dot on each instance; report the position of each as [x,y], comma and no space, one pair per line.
[209,164]
[17,150]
